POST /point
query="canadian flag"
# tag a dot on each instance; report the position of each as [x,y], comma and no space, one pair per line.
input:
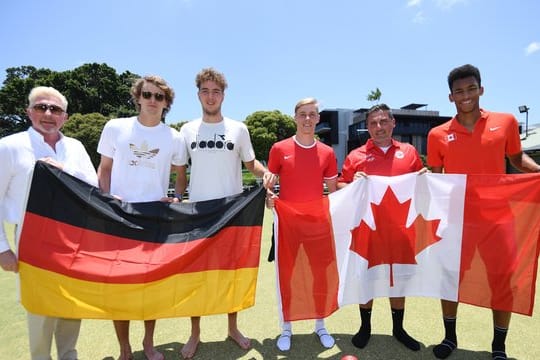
[467,238]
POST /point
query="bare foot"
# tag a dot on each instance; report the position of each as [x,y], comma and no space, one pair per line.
[189,349]
[125,353]
[152,354]
[240,339]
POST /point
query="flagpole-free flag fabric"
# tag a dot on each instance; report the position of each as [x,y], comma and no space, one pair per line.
[307,274]
[467,238]
[399,236]
[83,254]
[502,225]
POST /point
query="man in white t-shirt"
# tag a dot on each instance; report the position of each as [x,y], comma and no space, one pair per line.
[137,154]
[217,147]
[18,154]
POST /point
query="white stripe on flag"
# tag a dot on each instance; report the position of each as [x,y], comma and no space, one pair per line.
[436,272]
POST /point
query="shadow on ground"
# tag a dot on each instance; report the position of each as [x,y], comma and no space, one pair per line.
[307,346]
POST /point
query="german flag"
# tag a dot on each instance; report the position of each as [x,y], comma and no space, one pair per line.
[83,254]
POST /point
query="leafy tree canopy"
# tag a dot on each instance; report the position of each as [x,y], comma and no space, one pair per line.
[177,126]
[10,124]
[89,88]
[374,95]
[268,127]
[87,129]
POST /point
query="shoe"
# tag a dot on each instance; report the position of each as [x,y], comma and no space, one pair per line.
[325,338]
[284,341]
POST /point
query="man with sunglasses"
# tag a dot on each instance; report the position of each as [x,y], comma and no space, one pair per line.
[217,147]
[137,154]
[18,153]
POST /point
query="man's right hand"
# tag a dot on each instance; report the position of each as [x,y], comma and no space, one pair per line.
[8,261]
[359,174]
[270,197]
[269,180]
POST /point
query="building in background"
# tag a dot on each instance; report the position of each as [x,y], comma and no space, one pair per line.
[531,141]
[345,129]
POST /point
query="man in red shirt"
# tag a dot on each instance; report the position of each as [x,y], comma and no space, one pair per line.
[475,141]
[384,156]
[303,164]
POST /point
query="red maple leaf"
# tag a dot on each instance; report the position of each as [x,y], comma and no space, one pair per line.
[392,242]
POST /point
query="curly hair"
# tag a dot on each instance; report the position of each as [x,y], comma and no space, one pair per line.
[211,74]
[136,90]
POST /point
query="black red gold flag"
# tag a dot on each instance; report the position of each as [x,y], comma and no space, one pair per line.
[84,254]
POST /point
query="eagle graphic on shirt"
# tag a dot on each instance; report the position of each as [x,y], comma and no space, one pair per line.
[143,152]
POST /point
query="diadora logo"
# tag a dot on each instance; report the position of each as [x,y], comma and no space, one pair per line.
[217,143]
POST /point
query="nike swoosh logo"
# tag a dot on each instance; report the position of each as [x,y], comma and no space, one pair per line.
[287,157]
[494,128]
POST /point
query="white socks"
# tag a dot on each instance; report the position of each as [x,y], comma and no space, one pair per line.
[325,338]
[284,340]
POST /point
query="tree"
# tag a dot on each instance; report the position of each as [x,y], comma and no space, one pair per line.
[87,129]
[10,124]
[374,95]
[177,126]
[97,88]
[90,88]
[18,83]
[267,127]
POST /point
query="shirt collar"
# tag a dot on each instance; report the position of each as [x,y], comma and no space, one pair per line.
[456,126]
[371,145]
[37,136]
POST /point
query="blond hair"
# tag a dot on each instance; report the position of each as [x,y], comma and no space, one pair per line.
[44,91]
[306,101]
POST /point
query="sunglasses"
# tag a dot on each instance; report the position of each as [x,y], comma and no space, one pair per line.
[147,95]
[42,108]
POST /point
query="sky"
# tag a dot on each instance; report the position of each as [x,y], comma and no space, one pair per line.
[274,53]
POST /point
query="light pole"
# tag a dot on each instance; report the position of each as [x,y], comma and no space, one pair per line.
[525,109]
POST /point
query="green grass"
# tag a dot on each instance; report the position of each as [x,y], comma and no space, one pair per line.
[422,320]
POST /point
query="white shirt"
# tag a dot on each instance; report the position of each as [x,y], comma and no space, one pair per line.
[18,154]
[142,158]
[217,151]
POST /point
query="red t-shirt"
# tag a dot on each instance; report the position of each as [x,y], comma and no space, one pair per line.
[302,170]
[482,151]
[400,158]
